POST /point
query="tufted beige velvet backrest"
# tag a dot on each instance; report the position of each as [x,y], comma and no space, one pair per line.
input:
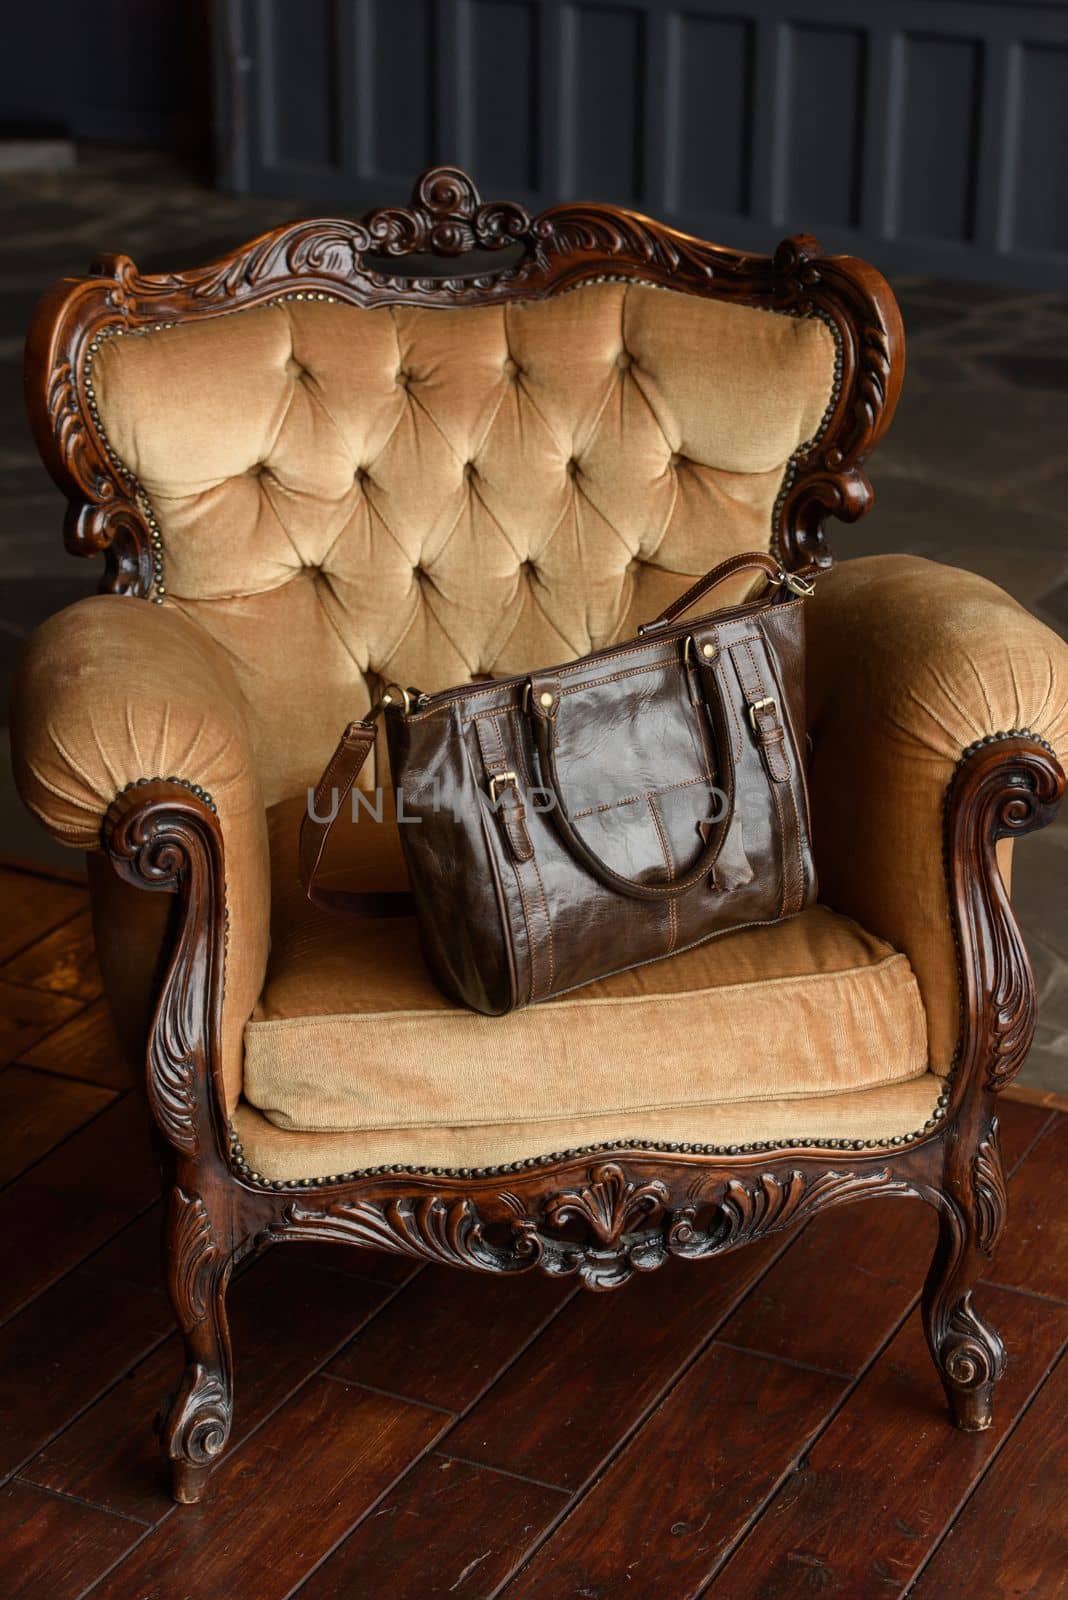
[351,496]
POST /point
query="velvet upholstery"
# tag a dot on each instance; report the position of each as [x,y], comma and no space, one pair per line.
[885,1112]
[910,663]
[429,495]
[109,691]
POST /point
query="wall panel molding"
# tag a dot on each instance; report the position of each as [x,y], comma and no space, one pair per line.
[927,135]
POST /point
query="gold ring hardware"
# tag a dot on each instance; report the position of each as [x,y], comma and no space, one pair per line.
[761,705]
[500,778]
[396,694]
[799,586]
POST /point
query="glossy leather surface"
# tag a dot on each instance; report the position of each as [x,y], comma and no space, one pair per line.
[686,808]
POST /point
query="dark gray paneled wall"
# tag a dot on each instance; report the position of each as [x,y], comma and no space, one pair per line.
[927,135]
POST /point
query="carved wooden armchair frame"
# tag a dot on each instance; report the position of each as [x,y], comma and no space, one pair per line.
[603,1213]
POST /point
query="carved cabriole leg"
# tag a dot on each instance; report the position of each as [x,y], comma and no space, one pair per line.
[162,835]
[1007,785]
[967,1351]
[198,1272]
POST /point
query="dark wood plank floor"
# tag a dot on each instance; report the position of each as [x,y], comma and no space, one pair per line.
[758,1428]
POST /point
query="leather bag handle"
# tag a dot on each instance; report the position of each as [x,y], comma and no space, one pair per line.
[795,582]
[544,701]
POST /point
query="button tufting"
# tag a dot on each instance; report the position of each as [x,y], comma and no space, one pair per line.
[362,475]
[625,360]
[470,470]
[573,468]
[403,378]
[510,368]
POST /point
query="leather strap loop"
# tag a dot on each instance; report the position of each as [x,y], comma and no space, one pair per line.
[767,725]
[755,562]
[505,795]
[544,705]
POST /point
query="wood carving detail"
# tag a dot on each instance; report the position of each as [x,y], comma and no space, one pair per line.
[194,1257]
[199,1422]
[988,1189]
[160,838]
[1006,786]
[610,1206]
[630,1224]
[428,1228]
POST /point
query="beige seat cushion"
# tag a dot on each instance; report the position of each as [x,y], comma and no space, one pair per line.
[351,1034]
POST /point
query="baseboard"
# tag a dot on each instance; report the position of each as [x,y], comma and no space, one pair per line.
[1037,1097]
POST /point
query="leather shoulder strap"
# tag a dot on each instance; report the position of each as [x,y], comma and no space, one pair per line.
[330,797]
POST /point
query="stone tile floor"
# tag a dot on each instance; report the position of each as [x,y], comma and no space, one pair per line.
[973,473]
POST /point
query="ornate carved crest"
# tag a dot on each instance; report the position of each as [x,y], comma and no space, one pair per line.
[610,1206]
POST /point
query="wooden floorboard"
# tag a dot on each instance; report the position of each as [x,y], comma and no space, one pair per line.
[764,1426]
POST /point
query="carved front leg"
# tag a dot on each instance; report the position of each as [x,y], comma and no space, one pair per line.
[163,835]
[967,1351]
[198,1272]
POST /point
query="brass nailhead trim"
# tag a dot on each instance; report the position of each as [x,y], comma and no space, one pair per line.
[890,1141]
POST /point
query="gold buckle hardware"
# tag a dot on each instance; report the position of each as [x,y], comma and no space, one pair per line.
[500,778]
[761,705]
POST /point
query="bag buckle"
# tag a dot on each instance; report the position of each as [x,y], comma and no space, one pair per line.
[500,778]
[767,704]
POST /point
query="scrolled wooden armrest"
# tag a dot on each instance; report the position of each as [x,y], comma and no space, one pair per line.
[129,733]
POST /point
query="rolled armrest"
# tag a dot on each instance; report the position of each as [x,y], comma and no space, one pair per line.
[910,664]
[113,690]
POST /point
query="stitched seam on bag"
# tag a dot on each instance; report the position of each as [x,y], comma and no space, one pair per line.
[797,898]
[673,919]
[616,677]
[635,799]
[548,925]
[517,867]
[518,724]
[612,655]
[609,805]
[521,763]
[366,740]
[788,897]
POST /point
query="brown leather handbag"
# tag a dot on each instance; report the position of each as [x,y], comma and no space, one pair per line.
[571,823]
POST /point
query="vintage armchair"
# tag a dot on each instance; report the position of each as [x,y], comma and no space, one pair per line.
[452,441]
